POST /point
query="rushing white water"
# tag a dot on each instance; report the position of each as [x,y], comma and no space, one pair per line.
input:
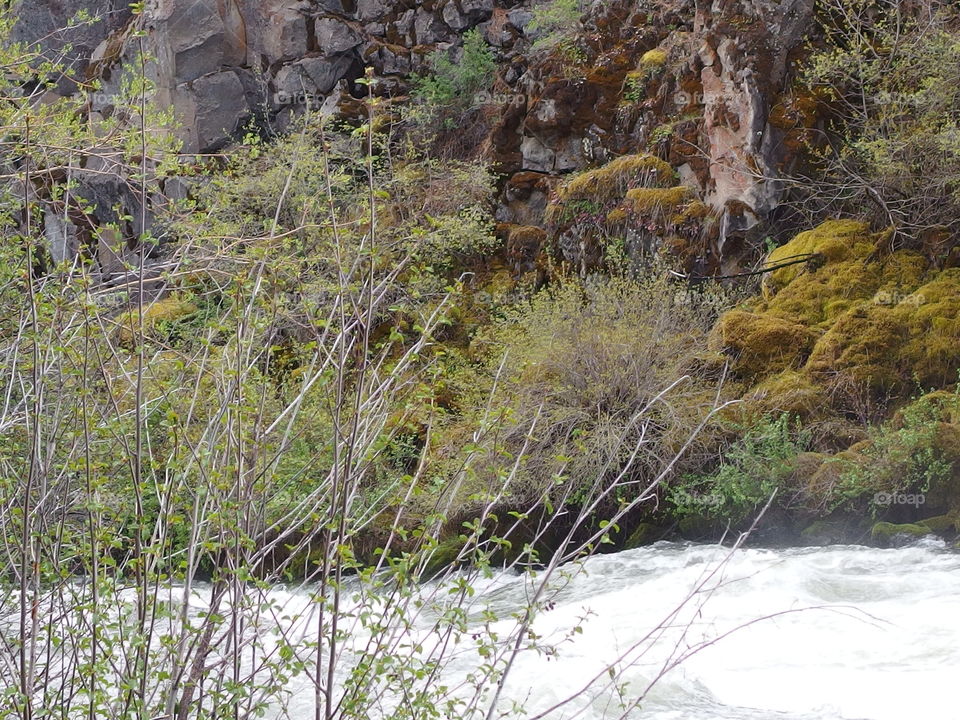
[856,633]
[667,632]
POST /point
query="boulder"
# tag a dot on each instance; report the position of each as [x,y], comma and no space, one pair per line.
[463,14]
[194,35]
[335,36]
[284,36]
[211,108]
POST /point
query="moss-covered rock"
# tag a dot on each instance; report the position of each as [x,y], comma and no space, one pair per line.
[653,58]
[939,405]
[941,524]
[829,531]
[824,483]
[843,274]
[612,181]
[885,532]
[761,344]
[931,316]
[645,200]
[862,346]
[642,535]
[791,392]
[892,347]
[155,317]
[444,555]
[834,241]
[944,490]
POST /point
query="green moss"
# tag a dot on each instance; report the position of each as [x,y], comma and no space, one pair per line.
[761,344]
[940,405]
[827,532]
[892,347]
[612,181]
[862,345]
[842,278]
[444,555]
[791,392]
[835,240]
[155,317]
[886,531]
[826,482]
[932,318]
[653,58]
[940,523]
[944,490]
[642,535]
[645,200]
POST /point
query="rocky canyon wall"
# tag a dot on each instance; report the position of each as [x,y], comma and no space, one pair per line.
[702,84]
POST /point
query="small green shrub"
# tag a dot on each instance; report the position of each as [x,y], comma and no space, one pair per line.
[558,20]
[449,87]
[750,470]
[912,453]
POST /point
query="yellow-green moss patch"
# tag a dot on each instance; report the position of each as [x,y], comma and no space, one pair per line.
[761,344]
[862,345]
[645,200]
[613,180]
[834,240]
[792,392]
[653,58]
[916,341]
[932,353]
[155,316]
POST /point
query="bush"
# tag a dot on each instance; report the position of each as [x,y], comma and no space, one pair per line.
[891,74]
[751,469]
[449,88]
[917,452]
[556,21]
[570,370]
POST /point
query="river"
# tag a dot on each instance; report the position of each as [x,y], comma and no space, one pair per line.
[851,632]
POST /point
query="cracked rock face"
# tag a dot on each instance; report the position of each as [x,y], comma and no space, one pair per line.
[744,66]
[216,62]
[48,21]
[704,100]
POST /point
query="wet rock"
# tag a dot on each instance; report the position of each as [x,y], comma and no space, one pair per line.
[893,534]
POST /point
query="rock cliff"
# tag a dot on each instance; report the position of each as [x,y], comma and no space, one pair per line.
[702,85]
